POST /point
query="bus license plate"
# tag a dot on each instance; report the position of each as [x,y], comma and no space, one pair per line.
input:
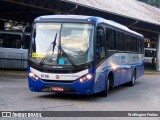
[57,88]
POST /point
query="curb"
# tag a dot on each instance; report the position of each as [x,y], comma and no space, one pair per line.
[152,73]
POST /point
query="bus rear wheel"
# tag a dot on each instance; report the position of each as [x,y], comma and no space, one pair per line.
[105,92]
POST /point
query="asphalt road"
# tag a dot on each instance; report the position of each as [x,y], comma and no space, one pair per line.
[144,96]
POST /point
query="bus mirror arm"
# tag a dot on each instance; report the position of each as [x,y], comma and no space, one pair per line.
[24,37]
[26,29]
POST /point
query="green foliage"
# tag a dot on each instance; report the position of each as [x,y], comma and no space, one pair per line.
[155,3]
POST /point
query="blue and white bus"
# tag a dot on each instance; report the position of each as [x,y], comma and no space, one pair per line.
[76,54]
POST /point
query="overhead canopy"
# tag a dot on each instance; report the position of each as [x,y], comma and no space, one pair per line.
[132,13]
[128,8]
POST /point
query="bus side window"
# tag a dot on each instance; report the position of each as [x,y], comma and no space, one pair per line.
[111,41]
[134,44]
[120,41]
[139,45]
[100,44]
[128,42]
[1,41]
[18,43]
[11,41]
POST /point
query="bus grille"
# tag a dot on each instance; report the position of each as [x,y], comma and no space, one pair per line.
[60,81]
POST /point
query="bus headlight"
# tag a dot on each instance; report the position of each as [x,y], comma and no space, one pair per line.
[89,76]
[86,77]
[32,75]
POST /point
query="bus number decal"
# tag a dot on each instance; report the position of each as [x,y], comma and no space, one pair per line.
[38,55]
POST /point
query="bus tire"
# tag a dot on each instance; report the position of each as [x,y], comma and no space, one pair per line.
[105,92]
[133,78]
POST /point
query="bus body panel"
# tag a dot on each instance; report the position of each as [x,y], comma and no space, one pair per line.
[121,69]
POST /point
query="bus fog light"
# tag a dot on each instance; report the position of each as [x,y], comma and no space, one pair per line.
[37,78]
[86,77]
[81,79]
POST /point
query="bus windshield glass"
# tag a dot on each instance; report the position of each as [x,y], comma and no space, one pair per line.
[62,43]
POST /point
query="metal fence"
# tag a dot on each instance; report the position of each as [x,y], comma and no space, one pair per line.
[9,60]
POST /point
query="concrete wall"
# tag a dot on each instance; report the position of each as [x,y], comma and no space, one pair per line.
[158,53]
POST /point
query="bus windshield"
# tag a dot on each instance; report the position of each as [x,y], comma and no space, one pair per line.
[52,40]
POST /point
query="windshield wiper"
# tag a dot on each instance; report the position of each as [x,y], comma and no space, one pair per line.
[48,50]
[73,64]
[61,50]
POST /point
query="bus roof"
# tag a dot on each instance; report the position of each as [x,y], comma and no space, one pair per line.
[88,18]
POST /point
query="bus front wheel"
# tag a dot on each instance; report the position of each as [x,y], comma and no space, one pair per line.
[133,78]
[105,92]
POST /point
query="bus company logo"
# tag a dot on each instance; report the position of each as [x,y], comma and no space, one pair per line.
[57,76]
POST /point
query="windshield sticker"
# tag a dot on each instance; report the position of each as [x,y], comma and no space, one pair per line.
[61,61]
[48,26]
[38,55]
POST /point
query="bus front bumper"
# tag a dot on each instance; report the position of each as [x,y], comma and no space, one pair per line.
[68,87]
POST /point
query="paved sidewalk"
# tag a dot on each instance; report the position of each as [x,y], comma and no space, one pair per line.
[149,71]
[13,73]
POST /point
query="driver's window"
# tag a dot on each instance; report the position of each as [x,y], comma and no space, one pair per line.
[100,44]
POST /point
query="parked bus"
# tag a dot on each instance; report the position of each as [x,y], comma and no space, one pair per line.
[83,55]
[150,53]
[150,58]
[13,51]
